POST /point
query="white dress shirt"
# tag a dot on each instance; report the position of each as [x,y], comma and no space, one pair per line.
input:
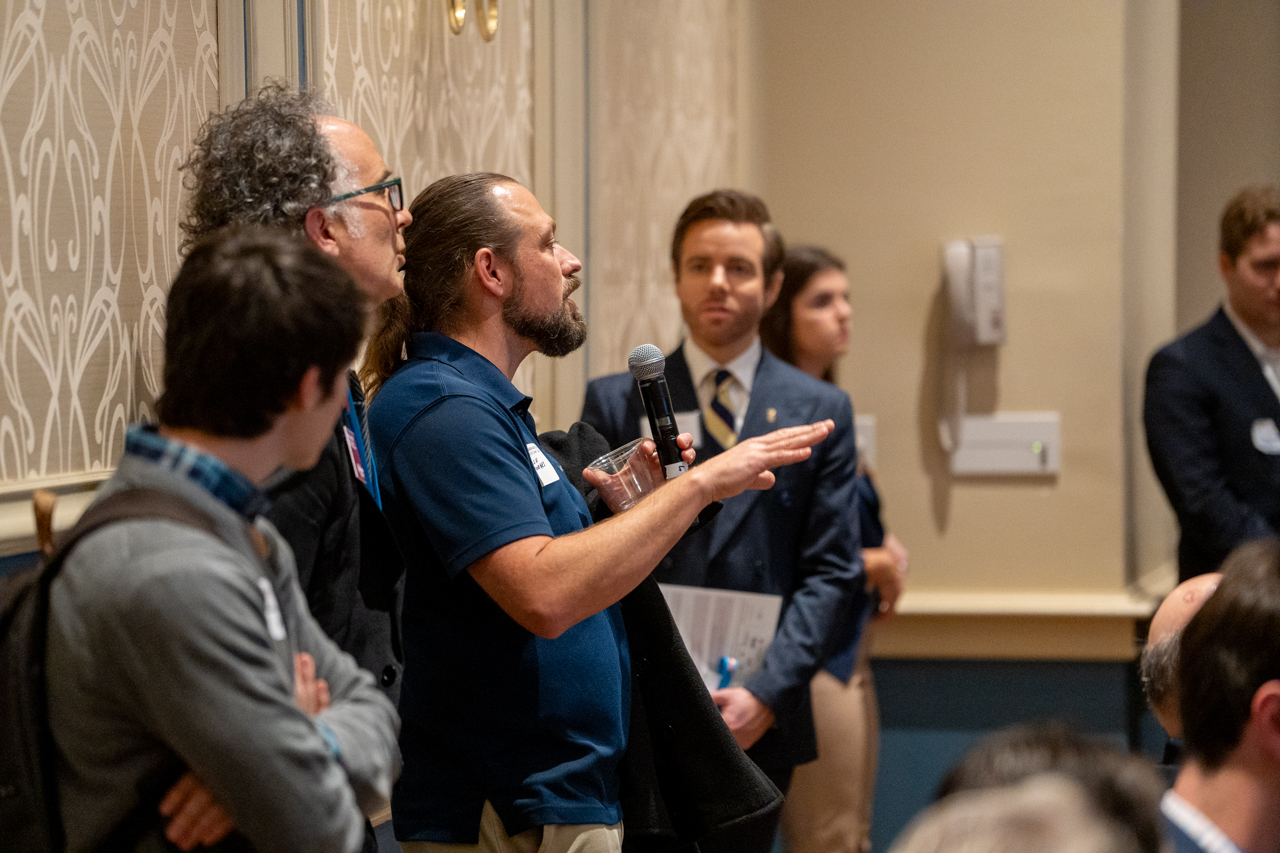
[1268,357]
[702,370]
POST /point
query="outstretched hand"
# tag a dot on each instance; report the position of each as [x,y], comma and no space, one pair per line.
[746,465]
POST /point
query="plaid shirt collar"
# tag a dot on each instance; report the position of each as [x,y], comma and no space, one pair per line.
[209,472]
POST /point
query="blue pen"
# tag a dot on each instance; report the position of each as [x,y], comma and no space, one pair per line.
[728,666]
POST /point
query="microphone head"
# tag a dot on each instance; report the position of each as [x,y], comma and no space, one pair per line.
[646,361]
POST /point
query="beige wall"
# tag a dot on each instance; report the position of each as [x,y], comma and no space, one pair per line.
[1150,250]
[1229,131]
[435,102]
[887,129]
[663,129]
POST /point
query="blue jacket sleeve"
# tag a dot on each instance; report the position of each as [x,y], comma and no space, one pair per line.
[829,573]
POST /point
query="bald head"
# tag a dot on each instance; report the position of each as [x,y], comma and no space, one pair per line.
[1179,606]
[1159,664]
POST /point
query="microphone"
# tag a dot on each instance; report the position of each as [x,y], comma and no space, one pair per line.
[647,364]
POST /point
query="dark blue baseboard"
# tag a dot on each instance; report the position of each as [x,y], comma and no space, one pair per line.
[18,562]
[932,711]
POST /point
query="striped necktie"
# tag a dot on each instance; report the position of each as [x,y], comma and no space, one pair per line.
[719,415]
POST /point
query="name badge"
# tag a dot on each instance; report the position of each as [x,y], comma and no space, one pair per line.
[271,610]
[690,422]
[1266,437]
[546,471]
[354,450]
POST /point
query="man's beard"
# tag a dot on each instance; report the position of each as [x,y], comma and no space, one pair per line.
[555,334]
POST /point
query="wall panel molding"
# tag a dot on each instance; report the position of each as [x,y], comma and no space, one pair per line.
[663,128]
[434,103]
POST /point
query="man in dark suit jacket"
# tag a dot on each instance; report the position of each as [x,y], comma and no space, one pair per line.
[797,540]
[1212,405]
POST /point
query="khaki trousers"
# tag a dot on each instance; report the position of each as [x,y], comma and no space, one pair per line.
[828,809]
[576,838]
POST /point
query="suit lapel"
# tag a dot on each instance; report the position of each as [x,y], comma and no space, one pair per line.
[764,396]
[684,397]
[1240,361]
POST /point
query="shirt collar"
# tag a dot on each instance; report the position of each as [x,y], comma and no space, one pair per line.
[1261,351]
[471,364]
[209,472]
[743,367]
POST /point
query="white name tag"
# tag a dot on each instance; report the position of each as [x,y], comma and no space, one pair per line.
[271,610]
[546,472]
[690,422]
[1265,436]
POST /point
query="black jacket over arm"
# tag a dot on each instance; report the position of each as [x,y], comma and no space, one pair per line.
[348,563]
[683,776]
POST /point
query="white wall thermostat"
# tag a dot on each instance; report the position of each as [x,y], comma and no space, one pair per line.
[1001,443]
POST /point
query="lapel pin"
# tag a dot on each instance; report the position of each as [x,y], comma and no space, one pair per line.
[771,415]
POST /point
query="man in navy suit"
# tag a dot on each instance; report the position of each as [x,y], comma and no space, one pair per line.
[1227,795]
[1213,398]
[798,540]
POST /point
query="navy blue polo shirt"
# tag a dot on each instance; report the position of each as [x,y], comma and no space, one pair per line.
[489,710]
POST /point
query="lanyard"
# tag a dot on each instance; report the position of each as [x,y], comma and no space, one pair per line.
[370,472]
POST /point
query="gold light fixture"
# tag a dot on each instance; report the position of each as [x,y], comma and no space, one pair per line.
[487,18]
[456,13]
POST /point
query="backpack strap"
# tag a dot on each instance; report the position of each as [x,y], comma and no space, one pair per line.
[122,506]
[136,503]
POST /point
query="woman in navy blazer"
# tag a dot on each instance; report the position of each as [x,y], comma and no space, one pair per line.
[828,809]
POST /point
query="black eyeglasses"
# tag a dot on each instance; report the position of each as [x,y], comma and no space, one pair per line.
[395,194]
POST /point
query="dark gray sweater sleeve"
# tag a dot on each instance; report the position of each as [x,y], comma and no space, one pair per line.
[360,716]
[197,655]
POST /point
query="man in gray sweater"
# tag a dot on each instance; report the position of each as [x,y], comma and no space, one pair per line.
[176,653]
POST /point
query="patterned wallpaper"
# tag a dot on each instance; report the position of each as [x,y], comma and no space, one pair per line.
[98,104]
[100,99]
[663,130]
[434,103]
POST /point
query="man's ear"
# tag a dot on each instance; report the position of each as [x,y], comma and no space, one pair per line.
[495,275]
[310,391]
[1225,265]
[772,290]
[319,228]
[1264,718]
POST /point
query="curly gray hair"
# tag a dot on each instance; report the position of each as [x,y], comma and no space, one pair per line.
[263,161]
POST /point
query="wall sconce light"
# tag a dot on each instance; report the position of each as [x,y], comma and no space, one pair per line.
[455,12]
[487,18]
